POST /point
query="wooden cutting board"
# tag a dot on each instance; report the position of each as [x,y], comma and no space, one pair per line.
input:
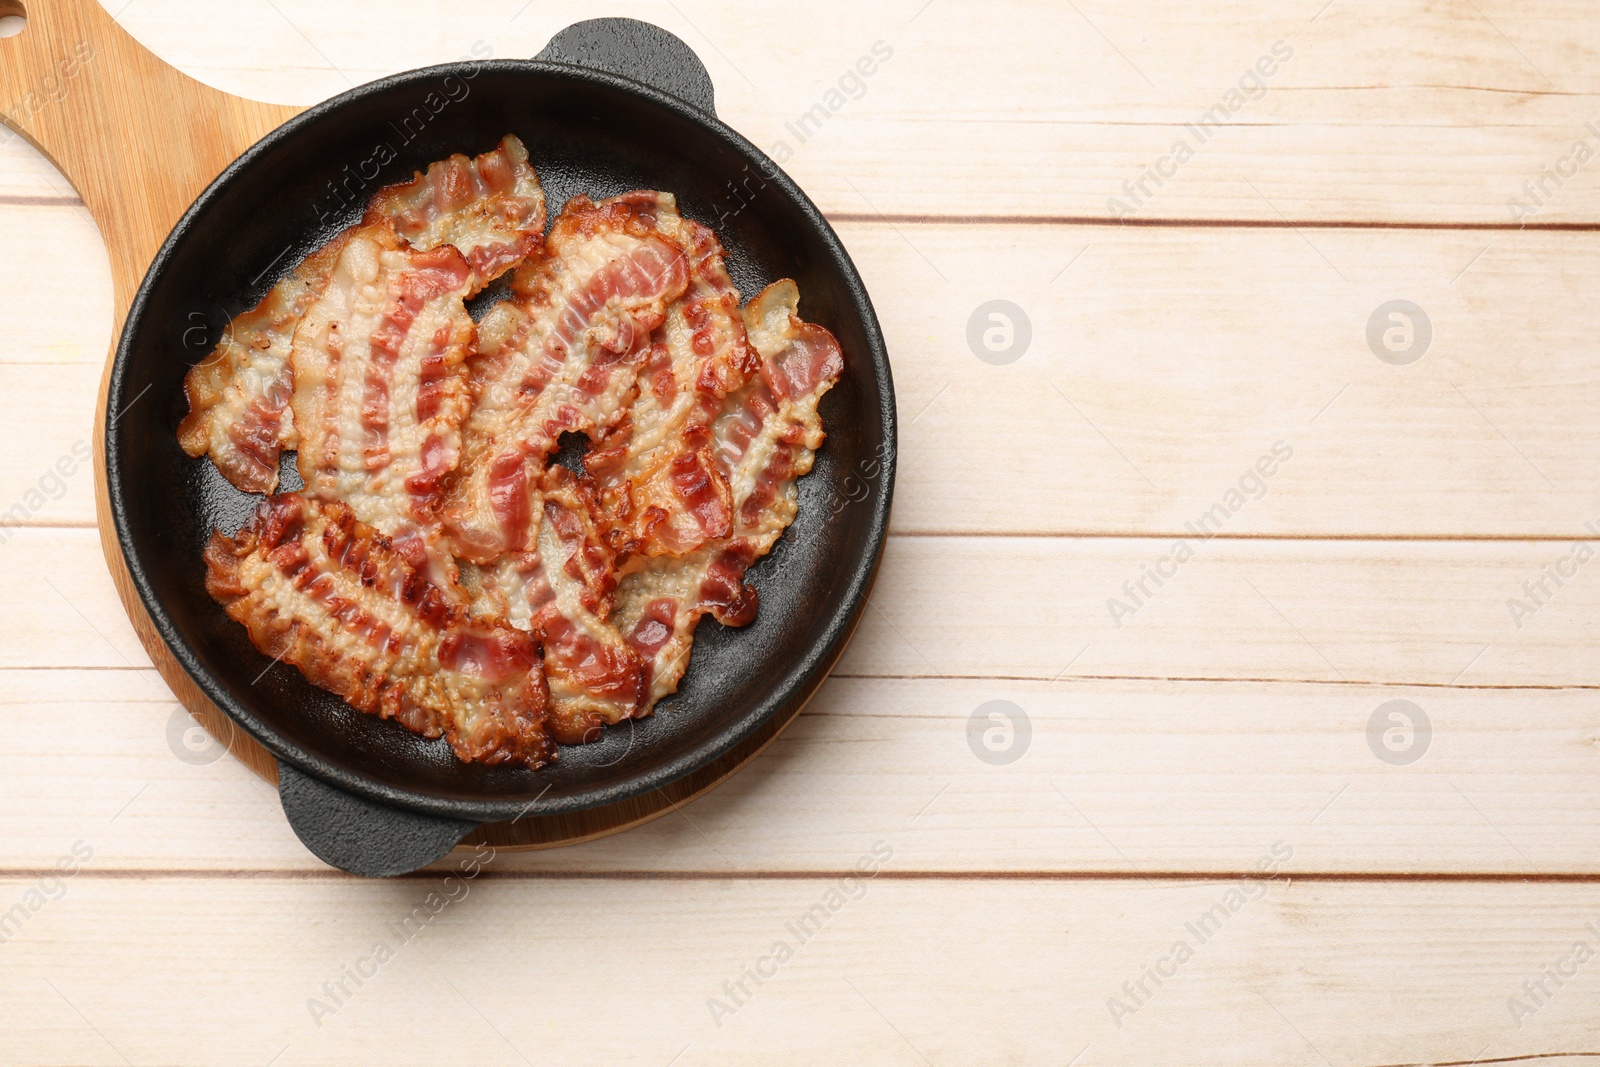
[140,140]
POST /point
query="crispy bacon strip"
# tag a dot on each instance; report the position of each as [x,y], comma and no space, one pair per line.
[561,356]
[320,590]
[239,395]
[380,388]
[769,432]
[765,438]
[659,605]
[491,209]
[422,437]
[661,488]
[562,592]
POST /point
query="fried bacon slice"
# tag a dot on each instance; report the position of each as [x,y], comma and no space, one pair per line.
[658,607]
[380,388]
[561,356]
[239,395]
[662,491]
[768,433]
[330,595]
[491,209]
[561,591]
[765,438]
[423,438]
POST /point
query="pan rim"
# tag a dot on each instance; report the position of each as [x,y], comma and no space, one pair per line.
[803,675]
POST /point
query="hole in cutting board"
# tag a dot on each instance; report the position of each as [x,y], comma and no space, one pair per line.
[13,17]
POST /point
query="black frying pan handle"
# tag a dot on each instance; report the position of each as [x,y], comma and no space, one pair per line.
[361,837]
[638,50]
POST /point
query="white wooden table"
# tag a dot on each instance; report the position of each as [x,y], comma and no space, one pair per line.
[1034,879]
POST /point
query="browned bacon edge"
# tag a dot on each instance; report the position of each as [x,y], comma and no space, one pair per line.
[440,400]
[562,591]
[702,350]
[318,589]
[559,358]
[799,359]
[358,613]
[491,208]
[600,677]
[245,443]
[800,362]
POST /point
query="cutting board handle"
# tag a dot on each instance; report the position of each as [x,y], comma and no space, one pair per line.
[138,139]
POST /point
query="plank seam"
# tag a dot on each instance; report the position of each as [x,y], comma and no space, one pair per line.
[1069,535]
[1198,223]
[1165,535]
[828,874]
[1059,679]
[1527,1057]
[1157,222]
[1524,686]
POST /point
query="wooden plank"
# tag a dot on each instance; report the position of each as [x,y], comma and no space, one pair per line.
[903,972]
[48,408]
[57,286]
[57,580]
[26,176]
[1163,366]
[1334,611]
[1091,776]
[1389,613]
[56,320]
[1406,113]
